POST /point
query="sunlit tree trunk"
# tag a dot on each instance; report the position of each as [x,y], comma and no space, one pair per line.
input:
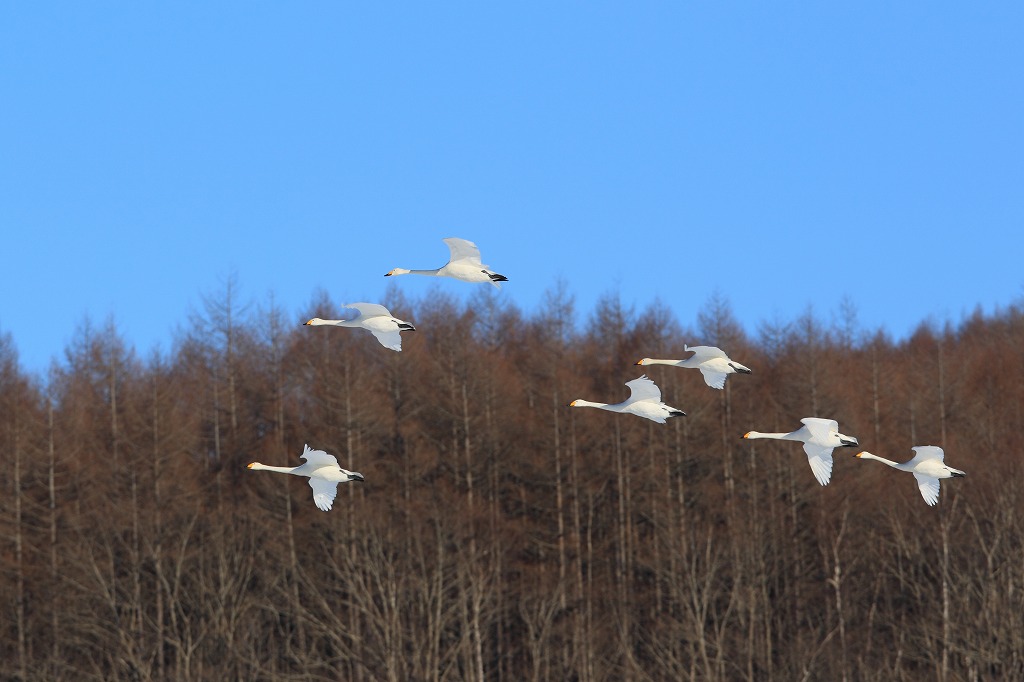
[556,409]
[622,557]
[19,556]
[727,438]
[876,414]
[581,612]
[157,555]
[946,620]
[942,394]
[55,631]
[836,581]
[497,546]
[474,588]
[653,473]
[276,337]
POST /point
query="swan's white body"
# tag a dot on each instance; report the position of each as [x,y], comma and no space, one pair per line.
[712,362]
[644,401]
[374,318]
[323,472]
[820,437]
[464,264]
[927,466]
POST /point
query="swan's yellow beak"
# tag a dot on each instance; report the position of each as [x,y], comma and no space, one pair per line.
[572,404]
[639,362]
[747,434]
[859,454]
[308,322]
[250,465]
[389,273]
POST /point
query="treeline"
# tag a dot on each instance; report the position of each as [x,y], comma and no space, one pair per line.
[501,535]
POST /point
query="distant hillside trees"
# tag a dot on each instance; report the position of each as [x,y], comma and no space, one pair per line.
[500,535]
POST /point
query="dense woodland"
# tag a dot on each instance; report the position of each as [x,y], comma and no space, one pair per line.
[501,535]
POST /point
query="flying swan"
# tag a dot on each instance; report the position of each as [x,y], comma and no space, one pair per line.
[464,264]
[712,362]
[819,437]
[927,467]
[644,401]
[374,318]
[324,475]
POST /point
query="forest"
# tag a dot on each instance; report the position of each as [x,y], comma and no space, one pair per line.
[501,535]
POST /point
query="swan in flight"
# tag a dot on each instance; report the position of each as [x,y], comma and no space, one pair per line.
[644,401]
[927,467]
[819,437]
[712,362]
[324,475]
[464,264]
[374,318]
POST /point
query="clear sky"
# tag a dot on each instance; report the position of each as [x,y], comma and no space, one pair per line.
[782,154]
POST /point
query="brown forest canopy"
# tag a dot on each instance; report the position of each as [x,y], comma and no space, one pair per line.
[499,534]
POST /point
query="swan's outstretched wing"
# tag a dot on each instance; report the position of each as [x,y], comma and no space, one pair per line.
[368,309]
[643,388]
[703,353]
[712,378]
[463,250]
[929,488]
[820,459]
[324,492]
[924,452]
[318,458]
[389,339]
[820,429]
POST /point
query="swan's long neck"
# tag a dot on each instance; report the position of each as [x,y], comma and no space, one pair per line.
[894,465]
[404,271]
[580,402]
[776,436]
[337,323]
[256,466]
[655,361]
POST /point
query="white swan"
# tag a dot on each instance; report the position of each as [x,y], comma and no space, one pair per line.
[324,475]
[819,437]
[464,264]
[927,467]
[712,362]
[644,401]
[374,318]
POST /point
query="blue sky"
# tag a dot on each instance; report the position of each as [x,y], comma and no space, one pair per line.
[783,154]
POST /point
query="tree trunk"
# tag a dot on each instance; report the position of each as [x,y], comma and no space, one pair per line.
[157,555]
[55,633]
[19,558]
